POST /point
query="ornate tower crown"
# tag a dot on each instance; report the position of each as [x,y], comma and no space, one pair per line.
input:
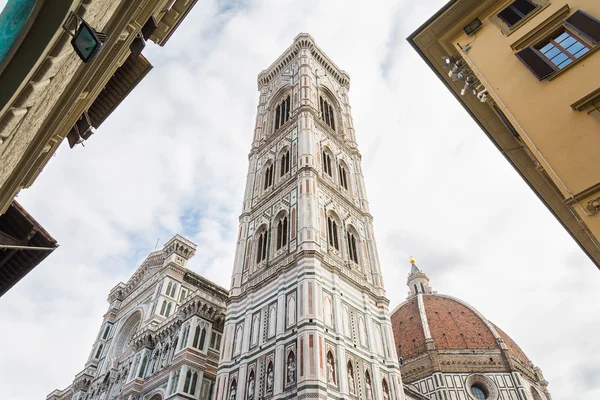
[178,251]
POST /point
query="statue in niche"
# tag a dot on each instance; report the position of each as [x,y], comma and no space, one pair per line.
[368,387]
[251,388]
[270,377]
[351,379]
[233,390]
[291,368]
[330,369]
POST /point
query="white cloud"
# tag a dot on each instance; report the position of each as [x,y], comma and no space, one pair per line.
[173,158]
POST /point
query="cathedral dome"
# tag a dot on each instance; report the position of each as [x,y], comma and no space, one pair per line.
[446,323]
[439,334]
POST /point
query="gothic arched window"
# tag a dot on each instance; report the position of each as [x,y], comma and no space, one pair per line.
[202,338]
[196,337]
[168,312]
[188,378]
[285,163]
[353,254]
[163,308]
[326,112]
[282,112]
[332,233]
[268,176]
[194,382]
[327,163]
[98,352]
[282,232]
[261,247]
[343,177]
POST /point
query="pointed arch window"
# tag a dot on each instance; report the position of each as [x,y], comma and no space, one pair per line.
[285,163]
[327,163]
[327,113]
[194,382]
[163,308]
[99,351]
[332,233]
[196,337]
[168,312]
[268,176]
[343,177]
[202,338]
[188,378]
[282,232]
[282,112]
[106,332]
[261,249]
[353,254]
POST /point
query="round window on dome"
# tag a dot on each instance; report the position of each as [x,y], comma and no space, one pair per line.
[479,392]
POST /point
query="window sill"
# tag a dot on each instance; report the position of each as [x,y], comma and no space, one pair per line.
[576,62]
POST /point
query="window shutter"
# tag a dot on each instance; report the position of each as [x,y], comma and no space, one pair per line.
[586,25]
[536,63]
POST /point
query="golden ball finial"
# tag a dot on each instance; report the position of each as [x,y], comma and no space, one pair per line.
[411,259]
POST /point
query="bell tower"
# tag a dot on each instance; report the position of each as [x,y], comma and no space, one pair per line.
[307,315]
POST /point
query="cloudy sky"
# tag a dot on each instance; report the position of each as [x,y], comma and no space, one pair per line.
[173,159]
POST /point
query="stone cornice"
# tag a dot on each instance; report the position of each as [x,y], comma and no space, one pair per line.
[303,41]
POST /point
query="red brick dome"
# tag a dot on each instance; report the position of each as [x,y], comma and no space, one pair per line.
[446,323]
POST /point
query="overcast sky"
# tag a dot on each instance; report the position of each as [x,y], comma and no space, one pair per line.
[173,159]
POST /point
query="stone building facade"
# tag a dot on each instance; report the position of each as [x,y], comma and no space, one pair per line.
[160,337]
[449,351]
[307,315]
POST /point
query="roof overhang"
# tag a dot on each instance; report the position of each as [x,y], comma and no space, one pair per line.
[23,245]
[431,41]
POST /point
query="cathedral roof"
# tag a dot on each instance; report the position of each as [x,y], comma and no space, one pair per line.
[451,324]
[433,331]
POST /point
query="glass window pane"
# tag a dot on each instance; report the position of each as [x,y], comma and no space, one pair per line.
[574,48]
[524,6]
[547,47]
[560,58]
[509,16]
[561,37]
[581,52]
[568,42]
[565,63]
[552,52]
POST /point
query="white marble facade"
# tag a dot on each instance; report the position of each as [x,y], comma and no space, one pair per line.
[307,315]
[161,336]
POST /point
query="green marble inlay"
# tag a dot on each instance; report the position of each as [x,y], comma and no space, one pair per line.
[13,18]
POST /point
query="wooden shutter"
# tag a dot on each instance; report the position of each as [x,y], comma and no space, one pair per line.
[536,63]
[586,25]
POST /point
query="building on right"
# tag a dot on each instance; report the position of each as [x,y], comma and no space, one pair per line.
[527,72]
[449,351]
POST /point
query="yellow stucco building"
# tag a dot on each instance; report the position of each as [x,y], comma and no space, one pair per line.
[528,73]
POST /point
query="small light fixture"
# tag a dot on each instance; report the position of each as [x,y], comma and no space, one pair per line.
[86,41]
[473,26]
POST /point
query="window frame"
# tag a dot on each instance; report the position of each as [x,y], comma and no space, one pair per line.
[509,29]
[549,39]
